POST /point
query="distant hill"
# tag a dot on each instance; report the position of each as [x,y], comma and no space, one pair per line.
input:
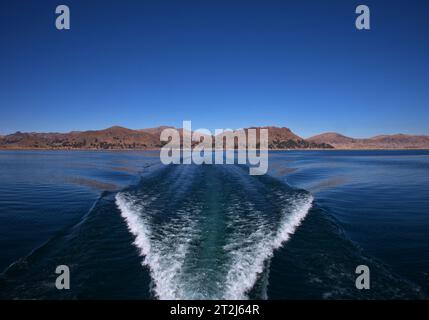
[111,138]
[157,130]
[120,138]
[283,138]
[332,138]
[396,141]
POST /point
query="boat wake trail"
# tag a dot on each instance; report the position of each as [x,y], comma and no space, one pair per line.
[209,232]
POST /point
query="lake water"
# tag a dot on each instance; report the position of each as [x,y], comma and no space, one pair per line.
[129,227]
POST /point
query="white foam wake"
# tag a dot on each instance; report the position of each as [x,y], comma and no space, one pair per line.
[252,243]
[165,256]
[249,254]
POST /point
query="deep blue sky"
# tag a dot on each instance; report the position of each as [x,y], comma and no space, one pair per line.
[221,64]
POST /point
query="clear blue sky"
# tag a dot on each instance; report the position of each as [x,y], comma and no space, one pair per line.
[222,64]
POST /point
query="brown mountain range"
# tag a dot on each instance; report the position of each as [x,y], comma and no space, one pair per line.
[111,138]
[396,141]
[283,138]
[120,138]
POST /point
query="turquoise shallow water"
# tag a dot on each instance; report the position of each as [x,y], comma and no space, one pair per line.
[130,227]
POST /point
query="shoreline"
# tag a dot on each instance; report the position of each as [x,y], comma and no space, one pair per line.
[149,149]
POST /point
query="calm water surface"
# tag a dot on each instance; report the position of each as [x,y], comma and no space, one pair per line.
[130,227]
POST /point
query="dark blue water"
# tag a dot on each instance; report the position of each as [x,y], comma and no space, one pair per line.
[130,227]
